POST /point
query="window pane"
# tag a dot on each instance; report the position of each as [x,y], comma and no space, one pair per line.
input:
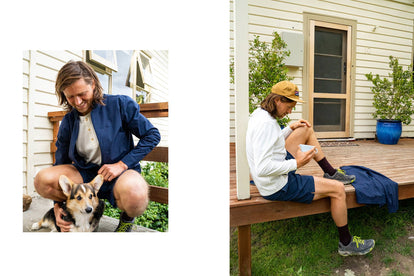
[108,55]
[104,80]
[146,68]
[119,79]
[329,114]
[328,42]
[328,86]
[328,67]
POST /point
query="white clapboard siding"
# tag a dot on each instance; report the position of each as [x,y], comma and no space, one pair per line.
[383,28]
[160,92]
[39,73]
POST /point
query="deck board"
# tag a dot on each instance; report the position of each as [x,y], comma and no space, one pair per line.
[394,161]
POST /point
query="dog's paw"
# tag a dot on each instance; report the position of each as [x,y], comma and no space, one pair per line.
[35,226]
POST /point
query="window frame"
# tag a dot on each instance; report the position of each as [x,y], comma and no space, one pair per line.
[94,57]
[136,70]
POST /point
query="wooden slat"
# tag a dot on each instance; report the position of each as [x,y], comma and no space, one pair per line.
[154,110]
[56,116]
[158,194]
[158,154]
[278,210]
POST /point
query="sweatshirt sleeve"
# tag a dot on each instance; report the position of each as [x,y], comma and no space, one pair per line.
[141,127]
[270,153]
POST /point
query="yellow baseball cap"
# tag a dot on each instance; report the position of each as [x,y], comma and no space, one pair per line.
[287,89]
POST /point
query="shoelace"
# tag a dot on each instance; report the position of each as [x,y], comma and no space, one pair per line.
[344,174]
[124,226]
[341,171]
[358,241]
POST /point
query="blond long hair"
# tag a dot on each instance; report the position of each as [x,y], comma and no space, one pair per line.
[70,73]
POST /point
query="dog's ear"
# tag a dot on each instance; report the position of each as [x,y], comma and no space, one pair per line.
[66,184]
[97,182]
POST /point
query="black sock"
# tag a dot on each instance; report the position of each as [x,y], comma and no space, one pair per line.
[125,217]
[326,166]
[344,235]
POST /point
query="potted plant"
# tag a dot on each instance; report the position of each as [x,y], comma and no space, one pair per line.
[393,101]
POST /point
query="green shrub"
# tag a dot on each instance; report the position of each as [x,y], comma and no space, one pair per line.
[266,68]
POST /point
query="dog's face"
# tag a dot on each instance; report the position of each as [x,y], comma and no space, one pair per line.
[81,197]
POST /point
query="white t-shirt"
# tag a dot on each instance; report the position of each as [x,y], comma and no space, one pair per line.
[87,144]
[266,153]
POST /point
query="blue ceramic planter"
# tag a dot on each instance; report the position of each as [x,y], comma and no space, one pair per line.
[389,131]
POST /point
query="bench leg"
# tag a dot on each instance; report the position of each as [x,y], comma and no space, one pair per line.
[245,258]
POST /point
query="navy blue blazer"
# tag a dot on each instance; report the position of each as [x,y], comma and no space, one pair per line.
[114,123]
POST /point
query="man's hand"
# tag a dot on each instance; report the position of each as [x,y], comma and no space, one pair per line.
[303,158]
[300,123]
[111,171]
[64,225]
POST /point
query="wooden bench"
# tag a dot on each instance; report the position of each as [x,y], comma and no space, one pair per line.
[158,154]
[382,158]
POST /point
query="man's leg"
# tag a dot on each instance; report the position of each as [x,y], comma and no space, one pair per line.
[303,135]
[46,181]
[335,190]
[306,135]
[131,195]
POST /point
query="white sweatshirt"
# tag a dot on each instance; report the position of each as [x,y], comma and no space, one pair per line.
[266,153]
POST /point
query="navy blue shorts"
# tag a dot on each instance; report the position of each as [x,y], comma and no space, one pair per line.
[299,188]
[107,189]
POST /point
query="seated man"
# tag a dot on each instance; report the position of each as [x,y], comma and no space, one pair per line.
[274,155]
[96,137]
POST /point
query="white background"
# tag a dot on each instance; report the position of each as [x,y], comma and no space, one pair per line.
[196,34]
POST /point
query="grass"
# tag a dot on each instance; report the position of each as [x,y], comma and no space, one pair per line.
[308,245]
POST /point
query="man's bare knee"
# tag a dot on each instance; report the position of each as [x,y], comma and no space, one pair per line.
[131,193]
[339,189]
[46,181]
[43,182]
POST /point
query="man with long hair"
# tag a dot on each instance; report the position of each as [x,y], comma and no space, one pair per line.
[274,154]
[96,137]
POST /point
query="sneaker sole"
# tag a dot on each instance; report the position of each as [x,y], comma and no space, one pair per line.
[348,253]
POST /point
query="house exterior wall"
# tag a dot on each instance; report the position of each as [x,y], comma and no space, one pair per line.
[159,66]
[39,74]
[383,28]
[40,69]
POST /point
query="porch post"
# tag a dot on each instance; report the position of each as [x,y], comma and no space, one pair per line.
[241,85]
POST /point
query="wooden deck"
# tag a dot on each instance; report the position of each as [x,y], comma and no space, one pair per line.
[394,161]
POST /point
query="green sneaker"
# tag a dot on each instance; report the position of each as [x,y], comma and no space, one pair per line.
[340,175]
[357,246]
[124,225]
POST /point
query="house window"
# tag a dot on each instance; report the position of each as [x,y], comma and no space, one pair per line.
[143,77]
[105,58]
[123,72]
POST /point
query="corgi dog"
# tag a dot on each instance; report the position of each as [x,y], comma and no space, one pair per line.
[82,206]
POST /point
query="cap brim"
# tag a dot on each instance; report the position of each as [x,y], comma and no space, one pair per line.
[296,99]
